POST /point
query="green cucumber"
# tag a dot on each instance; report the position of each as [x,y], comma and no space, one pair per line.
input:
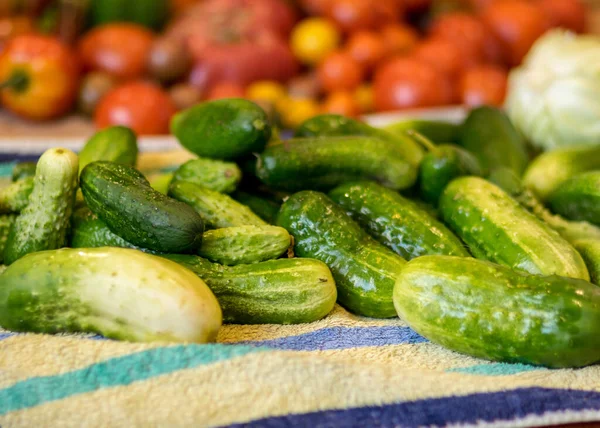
[15,197]
[364,270]
[578,198]
[552,168]
[2,269]
[497,228]
[283,291]
[22,170]
[590,251]
[6,222]
[122,197]
[492,312]
[213,174]
[396,222]
[438,131]
[216,209]
[116,292]
[323,163]
[264,207]
[44,223]
[116,144]
[244,244]
[492,138]
[222,129]
[160,182]
[334,125]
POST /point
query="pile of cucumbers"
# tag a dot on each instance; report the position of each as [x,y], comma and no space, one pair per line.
[477,243]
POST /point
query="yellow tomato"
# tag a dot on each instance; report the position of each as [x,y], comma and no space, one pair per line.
[294,111]
[313,39]
[363,95]
[266,90]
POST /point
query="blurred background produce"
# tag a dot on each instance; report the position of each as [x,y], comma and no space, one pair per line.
[136,63]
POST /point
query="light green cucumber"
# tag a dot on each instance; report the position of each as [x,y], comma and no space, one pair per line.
[6,222]
[161,181]
[578,198]
[116,144]
[15,197]
[213,174]
[590,251]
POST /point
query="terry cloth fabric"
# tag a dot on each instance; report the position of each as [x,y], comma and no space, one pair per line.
[342,371]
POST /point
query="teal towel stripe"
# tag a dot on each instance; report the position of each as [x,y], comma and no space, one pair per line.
[115,372]
[6,169]
[496,369]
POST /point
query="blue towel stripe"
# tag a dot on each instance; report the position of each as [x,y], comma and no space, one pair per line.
[496,369]
[467,409]
[115,372]
[6,335]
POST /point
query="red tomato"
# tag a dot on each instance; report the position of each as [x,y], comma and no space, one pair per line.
[367,48]
[341,102]
[226,90]
[416,6]
[352,15]
[408,83]
[142,106]
[568,14]
[398,39]
[315,7]
[517,24]
[466,31]
[387,12]
[441,54]
[483,85]
[339,72]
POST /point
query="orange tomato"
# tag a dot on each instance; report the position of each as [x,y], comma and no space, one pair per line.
[119,49]
[367,48]
[226,90]
[363,95]
[517,24]
[441,54]
[483,85]
[341,102]
[351,15]
[570,14]
[142,106]
[398,39]
[466,31]
[408,83]
[340,72]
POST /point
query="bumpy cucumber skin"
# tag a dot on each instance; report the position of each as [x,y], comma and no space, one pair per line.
[263,207]
[497,228]
[335,125]
[213,174]
[119,293]
[124,200]
[15,197]
[244,244]
[222,129]
[6,222]
[578,198]
[323,163]
[396,222]
[44,223]
[492,312]
[546,172]
[491,137]
[216,209]
[116,144]
[283,291]
[22,170]
[439,132]
[590,251]
[364,270]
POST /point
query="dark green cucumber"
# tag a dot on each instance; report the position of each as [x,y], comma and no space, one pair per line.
[364,270]
[222,129]
[264,207]
[492,312]
[396,222]
[438,131]
[283,291]
[323,163]
[115,144]
[244,244]
[578,198]
[216,209]
[334,125]
[6,222]
[497,228]
[552,168]
[590,251]
[44,223]
[492,138]
[23,170]
[15,197]
[122,197]
[213,174]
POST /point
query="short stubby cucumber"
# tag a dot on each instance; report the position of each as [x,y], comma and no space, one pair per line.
[262,205]
[216,209]
[590,251]
[493,312]
[15,197]
[364,270]
[578,198]
[22,170]
[323,163]
[497,228]
[6,222]
[283,291]
[244,244]
[115,144]
[396,222]
[210,173]
[116,292]
[122,197]
[44,223]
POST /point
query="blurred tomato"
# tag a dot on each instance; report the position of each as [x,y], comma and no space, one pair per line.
[313,39]
[363,95]
[367,48]
[266,90]
[305,86]
[340,72]
[294,111]
[315,7]
[408,83]
[118,49]
[11,26]
[483,85]
[465,31]
[517,24]
[570,14]
[352,15]
[341,102]
[142,106]
[441,54]
[226,90]
[398,39]
[416,6]
[387,12]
